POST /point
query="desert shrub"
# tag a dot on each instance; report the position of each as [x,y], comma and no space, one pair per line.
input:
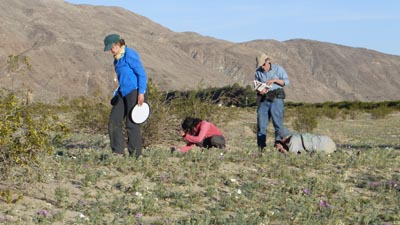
[23,138]
[92,114]
[343,108]
[351,114]
[380,112]
[305,120]
[205,108]
[232,95]
[159,127]
[168,113]
[194,106]
[330,112]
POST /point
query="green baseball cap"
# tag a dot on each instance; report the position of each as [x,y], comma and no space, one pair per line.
[109,40]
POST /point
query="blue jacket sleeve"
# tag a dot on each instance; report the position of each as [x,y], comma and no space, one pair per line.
[136,65]
[283,76]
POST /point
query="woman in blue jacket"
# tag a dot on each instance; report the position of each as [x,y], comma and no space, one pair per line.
[132,81]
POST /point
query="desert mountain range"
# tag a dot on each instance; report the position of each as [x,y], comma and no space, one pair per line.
[63,45]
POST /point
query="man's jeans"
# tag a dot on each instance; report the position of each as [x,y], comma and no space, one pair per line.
[119,112]
[265,111]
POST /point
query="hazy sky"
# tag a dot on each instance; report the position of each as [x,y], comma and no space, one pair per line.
[368,24]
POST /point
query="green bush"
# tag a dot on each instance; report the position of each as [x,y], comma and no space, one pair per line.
[92,114]
[305,120]
[23,138]
[345,108]
[330,112]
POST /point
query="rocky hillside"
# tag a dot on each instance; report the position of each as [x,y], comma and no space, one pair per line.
[60,49]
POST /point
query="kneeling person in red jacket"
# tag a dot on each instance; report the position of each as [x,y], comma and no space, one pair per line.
[201,133]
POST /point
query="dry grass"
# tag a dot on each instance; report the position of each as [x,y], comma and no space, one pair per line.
[356,185]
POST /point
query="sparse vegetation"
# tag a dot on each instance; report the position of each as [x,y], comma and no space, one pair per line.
[78,185]
[305,120]
[24,139]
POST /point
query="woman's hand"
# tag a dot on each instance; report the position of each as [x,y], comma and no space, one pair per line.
[140,99]
[182,133]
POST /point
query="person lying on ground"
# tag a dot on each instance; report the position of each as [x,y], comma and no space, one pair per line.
[306,142]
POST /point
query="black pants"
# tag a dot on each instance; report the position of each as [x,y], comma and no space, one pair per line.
[119,112]
[216,141]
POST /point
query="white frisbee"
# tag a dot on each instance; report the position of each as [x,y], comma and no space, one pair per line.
[140,114]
